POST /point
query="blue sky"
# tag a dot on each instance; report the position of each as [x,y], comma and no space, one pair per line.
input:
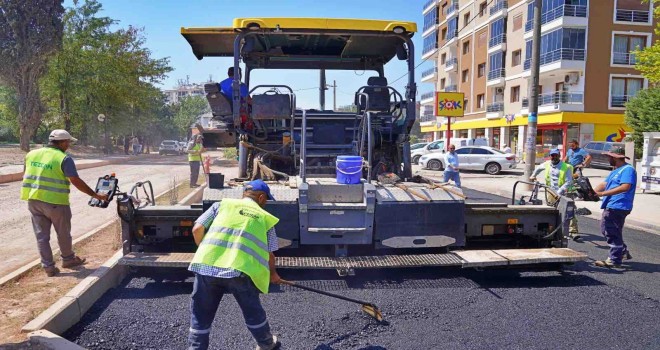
[162,20]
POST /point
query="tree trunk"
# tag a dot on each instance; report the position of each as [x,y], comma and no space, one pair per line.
[64,111]
[29,106]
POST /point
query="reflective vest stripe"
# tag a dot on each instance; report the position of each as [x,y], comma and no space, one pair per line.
[240,233]
[236,245]
[47,179]
[45,188]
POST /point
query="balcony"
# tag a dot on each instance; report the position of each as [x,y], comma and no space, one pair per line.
[451,64]
[427,97]
[579,11]
[496,77]
[427,118]
[619,101]
[430,25]
[624,58]
[633,16]
[558,55]
[452,9]
[428,6]
[429,74]
[451,88]
[499,9]
[497,43]
[430,50]
[495,110]
[572,101]
[452,34]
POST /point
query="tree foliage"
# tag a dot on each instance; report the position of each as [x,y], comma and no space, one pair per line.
[30,33]
[187,111]
[648,60]
[642,115]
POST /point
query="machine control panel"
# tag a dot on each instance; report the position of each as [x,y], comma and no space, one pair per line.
[107,184]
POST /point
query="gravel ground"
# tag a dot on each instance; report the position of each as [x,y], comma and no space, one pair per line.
[580,308]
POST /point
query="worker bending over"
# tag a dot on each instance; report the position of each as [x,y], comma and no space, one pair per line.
[236,239]
[48,175]
[559,177]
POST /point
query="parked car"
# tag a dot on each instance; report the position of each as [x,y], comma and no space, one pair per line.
[483,158]
[418,145]
[169,147]
[597,149]
[183,145]
[439,146]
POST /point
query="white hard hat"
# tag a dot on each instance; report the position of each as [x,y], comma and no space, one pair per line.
[59,135]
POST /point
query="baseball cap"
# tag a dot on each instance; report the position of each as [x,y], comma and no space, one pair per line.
[618,152]
[60,135]
[258,185]
[554,151]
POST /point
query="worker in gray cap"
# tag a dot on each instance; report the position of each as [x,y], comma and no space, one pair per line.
[48,174]
[559,177]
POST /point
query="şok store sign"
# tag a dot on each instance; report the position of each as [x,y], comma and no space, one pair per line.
[449,104]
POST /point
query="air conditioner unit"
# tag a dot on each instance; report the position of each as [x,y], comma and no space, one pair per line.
[499,91]
[571,78]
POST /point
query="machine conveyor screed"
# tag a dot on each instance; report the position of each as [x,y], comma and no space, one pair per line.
[107,184]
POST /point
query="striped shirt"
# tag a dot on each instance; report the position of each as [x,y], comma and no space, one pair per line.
[206,220]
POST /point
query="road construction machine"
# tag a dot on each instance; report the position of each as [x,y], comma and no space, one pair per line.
[343,183]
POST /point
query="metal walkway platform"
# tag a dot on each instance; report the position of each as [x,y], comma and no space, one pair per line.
[469,258]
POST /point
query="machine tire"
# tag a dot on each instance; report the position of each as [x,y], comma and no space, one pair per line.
[435,164]
[493,168]
[415,159]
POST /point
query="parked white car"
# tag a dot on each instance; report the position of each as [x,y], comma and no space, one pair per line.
[169,147]
[483,158]
[439,146]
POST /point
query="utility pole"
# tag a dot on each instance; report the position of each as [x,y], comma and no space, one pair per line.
[322,88]
[334,94]
[532,119]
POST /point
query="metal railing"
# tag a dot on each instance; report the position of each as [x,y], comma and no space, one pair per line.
[552,98]
[497,40]
[431,23]
[427,95]
[558,55]
[429,72]
[496,74]
[495,107]
[558,12]
[626,58]
[451,88]
[427,118]
[451,62]
[620,100]
[452,8]
[429,48]
[633,16]
[500,5]
[451,34]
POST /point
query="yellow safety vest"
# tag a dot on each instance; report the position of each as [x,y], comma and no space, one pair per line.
[44,179]
[563,170]
[237,239]
[195,157]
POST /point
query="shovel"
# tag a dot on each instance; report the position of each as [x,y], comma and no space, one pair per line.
[393,179]
[368,308]
[433,185]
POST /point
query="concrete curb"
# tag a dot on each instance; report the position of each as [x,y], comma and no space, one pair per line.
[69,309]
[52,341]
[194,196]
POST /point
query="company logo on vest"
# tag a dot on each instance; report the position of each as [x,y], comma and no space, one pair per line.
[42,165]
[249,213]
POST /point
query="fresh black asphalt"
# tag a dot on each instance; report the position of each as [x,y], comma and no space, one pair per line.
[581,307]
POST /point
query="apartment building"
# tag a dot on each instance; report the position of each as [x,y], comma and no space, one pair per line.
[483,49]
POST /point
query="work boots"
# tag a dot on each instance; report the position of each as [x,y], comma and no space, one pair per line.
[51,271]
[275,345]
[76,261]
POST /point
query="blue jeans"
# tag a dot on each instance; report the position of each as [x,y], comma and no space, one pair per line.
[453,175]
[206,296]
[611,226]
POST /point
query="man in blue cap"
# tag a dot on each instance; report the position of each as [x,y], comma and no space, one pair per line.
[559,176]
[236,239]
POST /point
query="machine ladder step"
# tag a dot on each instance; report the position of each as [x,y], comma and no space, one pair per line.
[330,230]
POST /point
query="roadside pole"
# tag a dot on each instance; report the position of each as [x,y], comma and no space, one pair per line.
[532,119]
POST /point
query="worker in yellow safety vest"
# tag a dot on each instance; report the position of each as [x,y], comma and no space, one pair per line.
[195,150]
[559,177]
[47,176]
[236,239]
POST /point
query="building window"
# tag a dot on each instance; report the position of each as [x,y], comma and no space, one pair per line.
[443,34]
[481,100]
[516,58]
[430,43]
[482,8]
[517,22]
[431,19]
[633,11]
[481,70]
[465,104]
[554,9]
[483,39]
[515,93]
[624,47]
[561,44]
[442,83]
[466,19]
[466,47]
[623,89]
[465,75]
[497,32]
[443,58]
[452,28]
[496,65]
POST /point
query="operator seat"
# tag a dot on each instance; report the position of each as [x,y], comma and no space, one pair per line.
[379,95]
[221,105]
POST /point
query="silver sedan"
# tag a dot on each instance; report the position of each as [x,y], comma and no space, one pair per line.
[483,158]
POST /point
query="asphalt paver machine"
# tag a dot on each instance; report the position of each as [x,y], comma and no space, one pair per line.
[370,223]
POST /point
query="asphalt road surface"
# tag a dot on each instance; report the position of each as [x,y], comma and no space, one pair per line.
[581,307]
[17,236]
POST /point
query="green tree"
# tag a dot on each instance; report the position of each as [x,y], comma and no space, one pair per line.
[648,60]
[30,33]
[8,115]
[642,115]
[187,111]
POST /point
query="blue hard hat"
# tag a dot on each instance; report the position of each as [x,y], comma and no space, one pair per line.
[258,185]
[555,151]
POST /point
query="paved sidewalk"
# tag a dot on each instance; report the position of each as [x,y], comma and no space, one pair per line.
[644,216]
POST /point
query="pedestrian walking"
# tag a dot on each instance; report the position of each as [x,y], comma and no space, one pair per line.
[48,173]
[452,166]
[576,156]
[195,150]
[618,194]
[135,144]
[559,177]
[236,239]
